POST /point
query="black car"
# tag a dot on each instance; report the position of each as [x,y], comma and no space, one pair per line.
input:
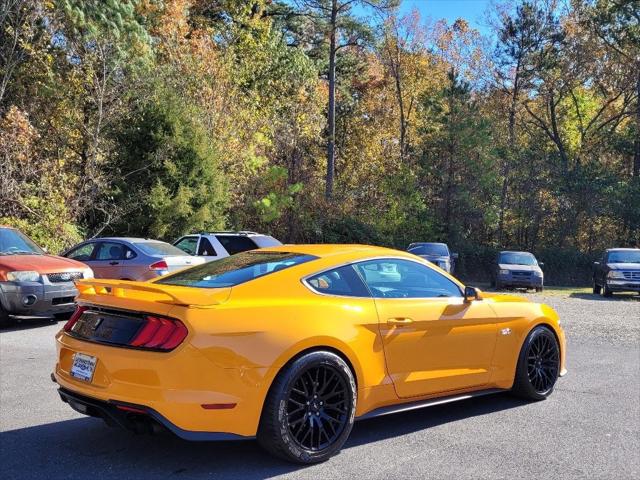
[617,271]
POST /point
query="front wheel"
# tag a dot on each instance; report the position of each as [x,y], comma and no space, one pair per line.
[538,365]
[606,292]
[5,320]
[309,411]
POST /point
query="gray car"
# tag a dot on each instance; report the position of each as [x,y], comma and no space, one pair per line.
[131,258]
[517,270]
[436,253]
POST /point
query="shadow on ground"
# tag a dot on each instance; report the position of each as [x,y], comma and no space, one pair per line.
[613,298]
[85,447]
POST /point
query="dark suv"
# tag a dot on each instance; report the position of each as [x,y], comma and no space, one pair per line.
[517,270]
[617,271]
[436,253]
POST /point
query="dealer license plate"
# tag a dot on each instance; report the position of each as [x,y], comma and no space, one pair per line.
[83,366]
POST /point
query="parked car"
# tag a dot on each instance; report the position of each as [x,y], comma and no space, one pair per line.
[517,269]
[130,258]
[617,271]
[216,245]
[312,338]
[34,284]
[436,253]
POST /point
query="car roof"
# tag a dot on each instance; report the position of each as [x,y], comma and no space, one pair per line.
[125,239]
[236,233]
[328,250]
[516,251]
[620,249]
[429,243]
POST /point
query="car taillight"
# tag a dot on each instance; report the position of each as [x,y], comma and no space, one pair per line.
[160,333]
[160,265]
[74,318]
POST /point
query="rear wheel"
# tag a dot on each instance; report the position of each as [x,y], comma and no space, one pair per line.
[538,365]
[606,292]
[309,411]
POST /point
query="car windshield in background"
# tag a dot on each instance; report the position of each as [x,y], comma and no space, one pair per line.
[624,256]
[430,249]
[235,270]
[517,259]
[159,249]
[12,242]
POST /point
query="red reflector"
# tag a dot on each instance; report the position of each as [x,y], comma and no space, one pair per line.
[74,318]
[130,409]
[161,333]
[161,265]
[218,406]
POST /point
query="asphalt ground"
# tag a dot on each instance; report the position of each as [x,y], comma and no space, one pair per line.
[588,428]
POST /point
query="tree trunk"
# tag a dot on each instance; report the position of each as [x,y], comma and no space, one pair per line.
[636,142]
[331,137]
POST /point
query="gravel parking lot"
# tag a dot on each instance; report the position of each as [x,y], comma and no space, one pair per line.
[589,428]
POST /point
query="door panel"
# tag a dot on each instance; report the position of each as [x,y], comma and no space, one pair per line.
[433,340]
[107,260]
[434,345]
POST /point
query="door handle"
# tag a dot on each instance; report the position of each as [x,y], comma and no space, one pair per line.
[114,263]
[399,321]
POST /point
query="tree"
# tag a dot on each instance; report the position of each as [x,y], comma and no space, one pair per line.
[343,30]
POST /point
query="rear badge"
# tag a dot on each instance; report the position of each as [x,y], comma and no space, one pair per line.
[505,331]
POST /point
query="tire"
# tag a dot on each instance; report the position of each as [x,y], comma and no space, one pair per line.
[605,292]
[5,320]
[498,286]
[291,396]
[539,289]
[596,287]
[538,365]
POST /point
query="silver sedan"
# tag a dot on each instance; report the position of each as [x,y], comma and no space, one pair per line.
[130,258]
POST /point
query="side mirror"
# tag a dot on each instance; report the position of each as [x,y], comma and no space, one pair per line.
[454,256]
[596,263]
[541,264]
[471,294]
[45,249]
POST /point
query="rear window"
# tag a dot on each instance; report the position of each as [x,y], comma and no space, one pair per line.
[236,243]
[430,249]
[159,249]
[231,271]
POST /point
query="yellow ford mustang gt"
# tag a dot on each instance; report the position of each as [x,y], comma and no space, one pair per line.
[291,344]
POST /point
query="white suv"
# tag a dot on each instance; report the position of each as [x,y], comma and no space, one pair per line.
[216,245]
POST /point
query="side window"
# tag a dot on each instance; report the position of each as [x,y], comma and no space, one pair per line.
[187,244]
[82,253]
[129,254]
[236,244]
[110,251]
[396,278]
[206,249]
[343,281]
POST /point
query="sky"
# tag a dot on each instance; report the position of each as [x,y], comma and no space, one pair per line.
[471,10]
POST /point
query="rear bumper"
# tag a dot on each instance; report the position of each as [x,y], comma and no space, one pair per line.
[179,389]
[137,418]
[37,300]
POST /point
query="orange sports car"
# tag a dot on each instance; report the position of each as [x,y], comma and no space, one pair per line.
[290,344]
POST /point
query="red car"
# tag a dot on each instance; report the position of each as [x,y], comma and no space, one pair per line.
[34,284]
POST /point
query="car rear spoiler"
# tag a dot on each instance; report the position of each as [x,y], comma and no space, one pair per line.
[174,295]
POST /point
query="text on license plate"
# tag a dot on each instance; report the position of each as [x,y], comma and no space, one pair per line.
[83,366]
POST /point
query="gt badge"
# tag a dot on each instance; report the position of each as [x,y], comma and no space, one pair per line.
[505,331]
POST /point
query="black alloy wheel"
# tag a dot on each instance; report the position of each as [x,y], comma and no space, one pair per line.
[538,365]
[317,407]
[309,410]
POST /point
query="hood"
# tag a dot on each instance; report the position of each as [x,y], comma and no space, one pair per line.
[501,297]
[40,263]
[435,257]
[521,268]
[624,266]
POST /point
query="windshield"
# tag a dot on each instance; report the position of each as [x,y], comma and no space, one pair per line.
[430,249]
[235,269]
[624,256]
[13,242]
[512,258]
[159,249]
